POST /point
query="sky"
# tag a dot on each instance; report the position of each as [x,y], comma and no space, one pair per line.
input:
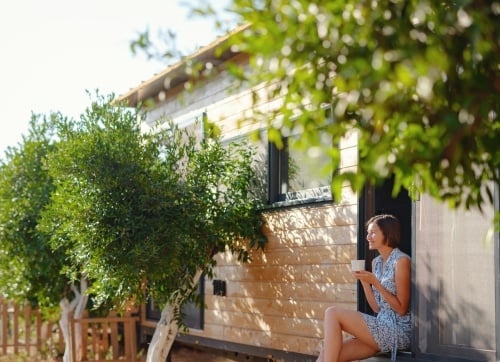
[52,51]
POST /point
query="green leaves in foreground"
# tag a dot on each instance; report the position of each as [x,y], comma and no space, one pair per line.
[417,80]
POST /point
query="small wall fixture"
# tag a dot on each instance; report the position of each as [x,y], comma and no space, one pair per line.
[219,287]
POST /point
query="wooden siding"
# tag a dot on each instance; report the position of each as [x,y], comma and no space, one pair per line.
[278,300]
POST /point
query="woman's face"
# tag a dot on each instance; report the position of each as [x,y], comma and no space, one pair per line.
[375,237]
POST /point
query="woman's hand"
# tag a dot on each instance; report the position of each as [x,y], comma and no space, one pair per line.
[367,279]
[365,276]
[400,301]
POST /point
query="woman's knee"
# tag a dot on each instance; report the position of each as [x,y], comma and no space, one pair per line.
[332,313]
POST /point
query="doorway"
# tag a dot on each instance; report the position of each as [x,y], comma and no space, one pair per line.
[375,201]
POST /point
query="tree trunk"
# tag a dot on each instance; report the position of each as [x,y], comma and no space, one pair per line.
[69,310]
[165,332]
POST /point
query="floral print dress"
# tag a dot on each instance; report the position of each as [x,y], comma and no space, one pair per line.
[390,330]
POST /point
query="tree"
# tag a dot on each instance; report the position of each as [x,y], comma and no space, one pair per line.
[417,80]
[30,269]
[144,213]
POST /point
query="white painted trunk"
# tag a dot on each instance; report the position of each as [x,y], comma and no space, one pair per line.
[164,336]
[73,309]
[165,332]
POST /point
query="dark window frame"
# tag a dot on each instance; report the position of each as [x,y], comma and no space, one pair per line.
[278,172]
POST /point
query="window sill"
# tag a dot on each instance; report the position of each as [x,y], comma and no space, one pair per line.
[299,202]
[304,197]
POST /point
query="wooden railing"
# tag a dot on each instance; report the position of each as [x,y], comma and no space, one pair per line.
[22,331]
[104,339]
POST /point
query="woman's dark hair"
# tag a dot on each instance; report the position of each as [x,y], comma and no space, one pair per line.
[390,227]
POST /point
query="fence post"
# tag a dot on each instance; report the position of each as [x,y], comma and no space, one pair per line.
[71,343]
[27,328]
[130,336]
[83,334]
[133,337]
[38,321]
[15,331]
[5,323]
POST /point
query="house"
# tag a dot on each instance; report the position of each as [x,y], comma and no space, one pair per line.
[273,307]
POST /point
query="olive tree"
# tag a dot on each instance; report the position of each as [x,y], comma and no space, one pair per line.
[143,213]
[29,268]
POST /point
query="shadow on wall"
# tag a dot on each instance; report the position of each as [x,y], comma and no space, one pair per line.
[450,324]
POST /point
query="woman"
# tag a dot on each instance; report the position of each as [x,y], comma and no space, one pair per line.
[387,291]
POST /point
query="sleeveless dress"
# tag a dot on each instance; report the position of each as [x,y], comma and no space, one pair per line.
[390,330]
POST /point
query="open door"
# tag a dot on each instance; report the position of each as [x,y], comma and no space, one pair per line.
[376,201]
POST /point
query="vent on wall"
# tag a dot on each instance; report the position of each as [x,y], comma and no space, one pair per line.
[219,287]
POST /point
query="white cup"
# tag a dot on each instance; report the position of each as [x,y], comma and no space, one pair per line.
[357,265]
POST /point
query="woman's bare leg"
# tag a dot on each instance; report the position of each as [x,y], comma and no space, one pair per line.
[352,322]
[354,350]
[333,335]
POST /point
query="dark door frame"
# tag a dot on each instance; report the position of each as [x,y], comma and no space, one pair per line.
[376,200]
[496,240]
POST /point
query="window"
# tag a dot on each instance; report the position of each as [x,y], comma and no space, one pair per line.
[193,313]
[260,161]
[297,176]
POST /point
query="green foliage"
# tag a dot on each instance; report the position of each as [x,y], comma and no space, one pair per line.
[131,207]
[418,80]
[29,269]
[125,209]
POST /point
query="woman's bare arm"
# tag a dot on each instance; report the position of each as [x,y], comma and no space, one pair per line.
[400,302]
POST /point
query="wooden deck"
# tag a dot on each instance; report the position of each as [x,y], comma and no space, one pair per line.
[386,357]
[185,353]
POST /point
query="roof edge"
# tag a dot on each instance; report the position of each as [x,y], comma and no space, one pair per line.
[151,87]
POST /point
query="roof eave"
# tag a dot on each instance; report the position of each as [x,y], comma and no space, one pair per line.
[176,73]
